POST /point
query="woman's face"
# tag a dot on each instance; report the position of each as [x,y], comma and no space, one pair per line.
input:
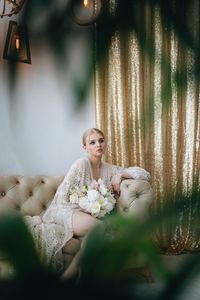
[95,145]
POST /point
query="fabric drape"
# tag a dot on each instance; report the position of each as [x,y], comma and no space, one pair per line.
[148,105]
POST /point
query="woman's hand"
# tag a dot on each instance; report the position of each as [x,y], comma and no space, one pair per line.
[115,182]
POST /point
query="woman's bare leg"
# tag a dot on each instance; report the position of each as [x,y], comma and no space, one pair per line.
[82,224]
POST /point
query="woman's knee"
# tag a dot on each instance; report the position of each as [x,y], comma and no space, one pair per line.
[82,223]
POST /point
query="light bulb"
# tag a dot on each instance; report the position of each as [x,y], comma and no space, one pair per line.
[85,3]
[17,43]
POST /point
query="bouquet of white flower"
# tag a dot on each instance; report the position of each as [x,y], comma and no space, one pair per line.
[95,199]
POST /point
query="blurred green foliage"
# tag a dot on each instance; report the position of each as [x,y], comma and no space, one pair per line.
[113,254]
[119,242]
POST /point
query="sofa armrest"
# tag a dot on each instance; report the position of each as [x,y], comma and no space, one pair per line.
[135,198]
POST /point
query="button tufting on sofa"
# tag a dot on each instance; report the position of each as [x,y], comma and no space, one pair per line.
[135,198]
[3,194]
[44,207]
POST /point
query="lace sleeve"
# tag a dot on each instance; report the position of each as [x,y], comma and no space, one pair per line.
[138,173]
[73,180]
[116,169]
[134,172]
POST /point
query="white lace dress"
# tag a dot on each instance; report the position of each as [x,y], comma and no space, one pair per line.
[52,230]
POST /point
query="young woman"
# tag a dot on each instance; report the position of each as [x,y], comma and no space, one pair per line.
[63,220]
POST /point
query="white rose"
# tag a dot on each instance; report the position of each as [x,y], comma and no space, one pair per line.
[74,198]
[83,202]
[112,199]
[95,207]
[92,195]
[101,200]
[101,214]
[108,207]
[103,190]
[88,207]
[104,203]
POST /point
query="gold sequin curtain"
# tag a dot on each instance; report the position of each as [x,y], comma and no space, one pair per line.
[149,108]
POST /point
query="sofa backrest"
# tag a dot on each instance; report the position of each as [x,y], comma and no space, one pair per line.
[29,195]
[32,195]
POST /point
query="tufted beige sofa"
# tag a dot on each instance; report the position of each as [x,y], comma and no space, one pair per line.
[32,196]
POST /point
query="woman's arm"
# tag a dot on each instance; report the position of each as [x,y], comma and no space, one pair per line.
[117,179]
[132,172]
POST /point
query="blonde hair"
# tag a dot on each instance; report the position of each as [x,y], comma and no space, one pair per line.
[89,132]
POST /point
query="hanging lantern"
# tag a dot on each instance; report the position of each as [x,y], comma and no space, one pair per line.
[86,12]
[17,44]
